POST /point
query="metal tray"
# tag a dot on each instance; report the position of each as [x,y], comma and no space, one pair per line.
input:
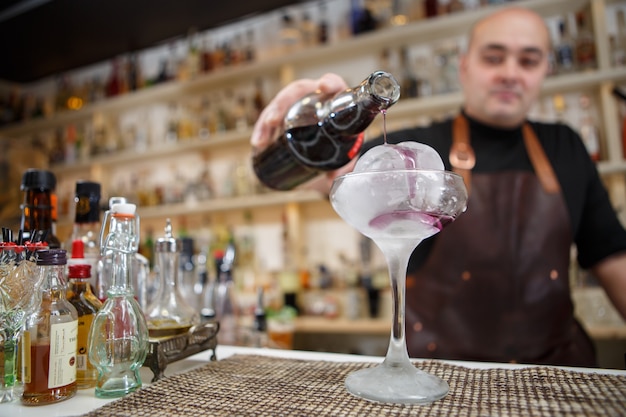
[163,351]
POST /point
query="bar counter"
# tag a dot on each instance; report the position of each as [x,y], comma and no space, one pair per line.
[580,391]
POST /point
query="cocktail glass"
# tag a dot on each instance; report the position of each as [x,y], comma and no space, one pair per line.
[398,209]
[19,284]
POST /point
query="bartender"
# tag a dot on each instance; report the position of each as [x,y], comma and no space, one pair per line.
[494,285]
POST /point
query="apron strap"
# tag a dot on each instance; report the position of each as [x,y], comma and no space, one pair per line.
[463,159]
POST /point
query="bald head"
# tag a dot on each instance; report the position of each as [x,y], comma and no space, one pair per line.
[504,66]
[513,17]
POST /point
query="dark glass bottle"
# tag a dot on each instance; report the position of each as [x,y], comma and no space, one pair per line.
[324,132]
[38,186]
[86,226]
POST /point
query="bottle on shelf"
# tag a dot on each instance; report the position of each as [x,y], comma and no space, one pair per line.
[118,339]
[87,305]
[323,132]
[585,44]
[289,35]
[564,49]
[588,129]
[49,341]
[38,186]
[619,39]
[86,226]
[308,30]
[259,325]
[409,83]
[226,306]
[322,25]
[169,314]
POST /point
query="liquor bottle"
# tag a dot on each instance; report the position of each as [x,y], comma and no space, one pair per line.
[588,129]
[87,305]
[585,44]
[322,26]
[118,338]
[323,132]
[564,49]
[86,226]
[226,306]
[619,40]
[307,30]
[169,314]
[259,325]
[38,186]
[49,341]
[409,82]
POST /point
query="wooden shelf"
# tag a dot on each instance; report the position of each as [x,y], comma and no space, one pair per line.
[313,324]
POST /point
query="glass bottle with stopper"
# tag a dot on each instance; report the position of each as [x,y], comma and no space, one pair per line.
[169,314]
[118,339]
[323,132]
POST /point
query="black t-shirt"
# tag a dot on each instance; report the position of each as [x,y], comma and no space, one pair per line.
[596,229]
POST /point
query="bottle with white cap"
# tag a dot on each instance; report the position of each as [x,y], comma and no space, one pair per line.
[118,339]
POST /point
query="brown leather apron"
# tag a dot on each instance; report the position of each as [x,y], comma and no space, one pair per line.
[495,285]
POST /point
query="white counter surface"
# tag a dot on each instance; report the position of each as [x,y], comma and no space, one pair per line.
[85,400]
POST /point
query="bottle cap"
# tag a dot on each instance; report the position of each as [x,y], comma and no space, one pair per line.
[167,244]
[79,271]
[124,208]
[51,257]
[88,189]
[116,200]
[78,249]
[38,179]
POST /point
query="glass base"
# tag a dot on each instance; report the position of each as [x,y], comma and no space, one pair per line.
[118,386]
[398,383]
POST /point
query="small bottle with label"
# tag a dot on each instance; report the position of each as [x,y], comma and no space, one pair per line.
[50,337]
[87,305]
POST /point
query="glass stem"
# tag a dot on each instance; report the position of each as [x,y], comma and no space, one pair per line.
[398,260]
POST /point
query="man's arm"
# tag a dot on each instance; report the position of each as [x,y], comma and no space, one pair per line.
[611,272]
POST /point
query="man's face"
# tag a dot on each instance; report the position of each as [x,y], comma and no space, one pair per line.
[502,72]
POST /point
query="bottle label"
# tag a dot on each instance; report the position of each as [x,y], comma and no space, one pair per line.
[63,343]
[26,363]
[84,324]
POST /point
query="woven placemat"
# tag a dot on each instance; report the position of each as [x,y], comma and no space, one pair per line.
[252,385]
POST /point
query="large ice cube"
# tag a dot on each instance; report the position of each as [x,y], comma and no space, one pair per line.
[404,155]
[392,192]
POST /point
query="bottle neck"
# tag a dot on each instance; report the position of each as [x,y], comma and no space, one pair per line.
[37,215]
[53,279]
[120,247]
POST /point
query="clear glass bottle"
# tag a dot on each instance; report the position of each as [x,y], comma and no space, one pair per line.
[87,305]
[226,306]
[140,269]
[585,44]
[87,225]
[38,186]
[324,132]
[50,337]
[118,339]
[564,49]
[588,129]
[169,314]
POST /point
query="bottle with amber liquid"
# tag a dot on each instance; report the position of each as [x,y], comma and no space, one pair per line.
[38,186]
[323,132]
[49,340]
[87,305]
